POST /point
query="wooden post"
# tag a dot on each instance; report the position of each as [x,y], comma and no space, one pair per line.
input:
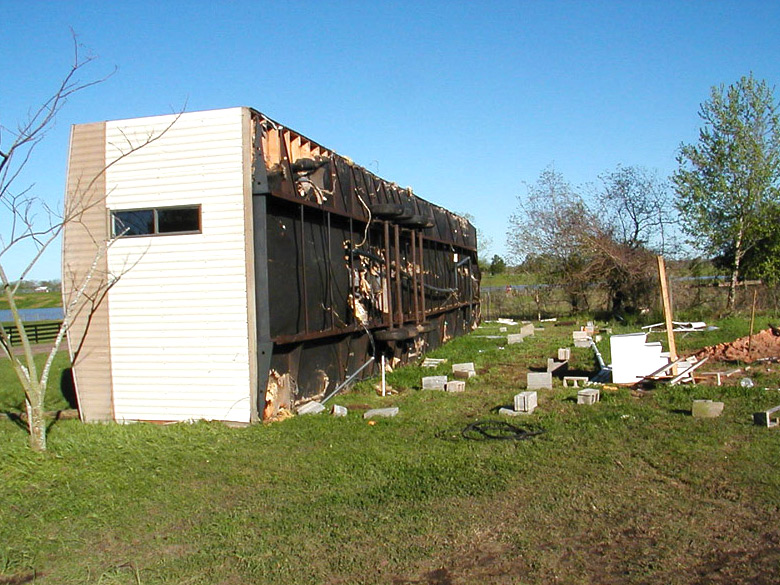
[752,321]
[667,309]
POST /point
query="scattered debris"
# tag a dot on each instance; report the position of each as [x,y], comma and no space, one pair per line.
[464,367]
[706,409]
[588,396]
[526,401]
[574,381]
[768,418]
[581,338]
[339,410]
[633,358]
[381,412]
[679,326]
[312,407]
[455,386]
[539,381]
[434,382]
[513,338]
[764,344]
[556,367]
[433,362]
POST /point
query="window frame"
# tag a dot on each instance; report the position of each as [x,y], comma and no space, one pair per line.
[155,221]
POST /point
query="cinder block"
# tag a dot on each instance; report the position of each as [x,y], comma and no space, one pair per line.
[588,396]
[338,410]
[525,401]
[527,330]
[464,374]
[539,381]
[502,329]
[768,418]
[564,354]
[467,366]
[556,367]
[381,412]
[434,382]
[510,412]
[706,409]
[575,335]
[574,381]
[455,386]
[582,342]
[312,407]
[514,338]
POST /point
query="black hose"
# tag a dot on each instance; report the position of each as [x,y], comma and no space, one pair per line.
[497,430]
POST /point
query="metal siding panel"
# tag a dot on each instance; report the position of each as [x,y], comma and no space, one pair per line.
[88,335]
[180,323]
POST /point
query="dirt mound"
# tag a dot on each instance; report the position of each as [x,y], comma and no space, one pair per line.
[764,344]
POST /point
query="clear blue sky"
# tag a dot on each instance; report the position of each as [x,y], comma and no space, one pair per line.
[463,101]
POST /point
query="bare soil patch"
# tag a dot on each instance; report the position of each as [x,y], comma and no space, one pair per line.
[762,345]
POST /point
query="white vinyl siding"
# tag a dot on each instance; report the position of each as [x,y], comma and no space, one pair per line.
[179,316]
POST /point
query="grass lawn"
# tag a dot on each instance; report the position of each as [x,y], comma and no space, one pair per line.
[35,300]
[630,490]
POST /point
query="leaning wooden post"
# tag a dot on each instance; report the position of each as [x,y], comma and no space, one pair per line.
[667,310]
[752,320]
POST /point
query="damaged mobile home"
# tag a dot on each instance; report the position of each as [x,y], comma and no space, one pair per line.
[256,268]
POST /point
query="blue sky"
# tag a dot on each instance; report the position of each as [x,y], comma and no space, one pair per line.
[463,101]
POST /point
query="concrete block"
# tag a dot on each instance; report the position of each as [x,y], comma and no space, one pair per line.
[381,412]
[575,335]
[555,367]
[455,386]
[574,381]
[312,407]
[525,401]
[588,396]
[706,409]
[564,354]
[433,362]
[464,367]
[502,329]
[513,338]
[767,418]
[510,412]
[539,381]
[434,382]
[464,374]
[582,342]
[527,330]
[338,410]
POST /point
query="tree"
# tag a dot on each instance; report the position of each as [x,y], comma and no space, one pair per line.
[727,183]
[27,231]
[608,243]
[497,265]
[548,223]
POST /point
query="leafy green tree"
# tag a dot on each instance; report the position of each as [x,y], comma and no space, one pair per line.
[727,183]
[497,265]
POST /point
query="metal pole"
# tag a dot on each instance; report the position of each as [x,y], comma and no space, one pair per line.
[348,380]
[384,383]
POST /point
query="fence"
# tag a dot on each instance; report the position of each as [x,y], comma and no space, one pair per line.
[691,299]
[36,332]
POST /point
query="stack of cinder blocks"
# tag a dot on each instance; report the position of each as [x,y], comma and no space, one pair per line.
[524,403]
[441,383]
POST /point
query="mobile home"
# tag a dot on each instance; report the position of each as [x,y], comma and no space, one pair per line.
[222,266]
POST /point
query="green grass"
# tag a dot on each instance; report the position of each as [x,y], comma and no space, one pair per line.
[35,300]
[627,491]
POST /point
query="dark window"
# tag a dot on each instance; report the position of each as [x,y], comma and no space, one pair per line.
[178,219]
[134,223]
[160,220]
